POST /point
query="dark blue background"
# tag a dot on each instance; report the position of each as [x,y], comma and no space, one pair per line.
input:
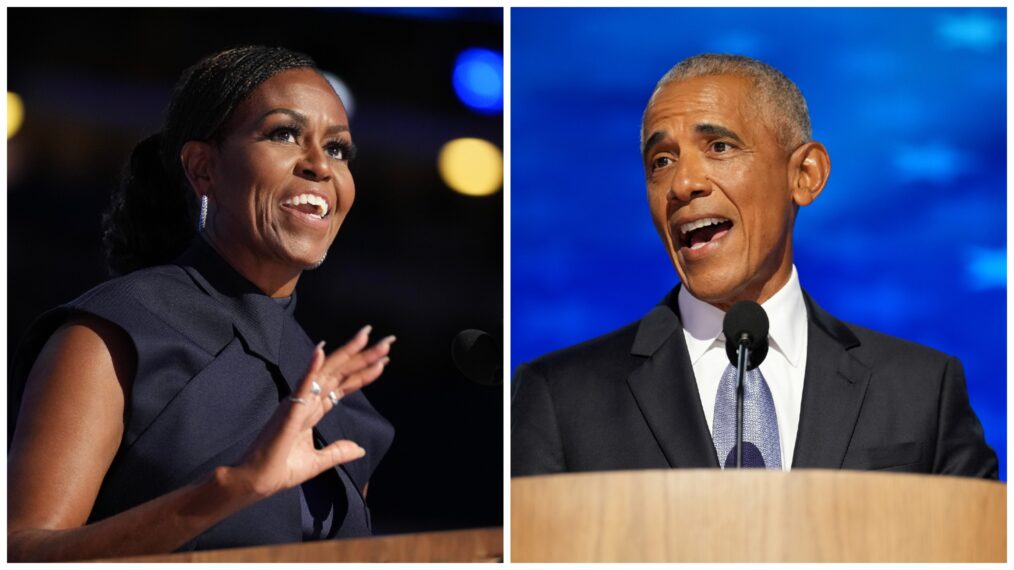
[908,237]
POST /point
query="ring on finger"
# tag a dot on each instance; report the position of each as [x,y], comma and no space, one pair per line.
[315,388]
[333,397]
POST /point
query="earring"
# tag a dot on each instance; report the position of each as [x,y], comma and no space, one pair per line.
[202,219]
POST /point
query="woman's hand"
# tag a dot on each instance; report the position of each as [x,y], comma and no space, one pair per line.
[283,455]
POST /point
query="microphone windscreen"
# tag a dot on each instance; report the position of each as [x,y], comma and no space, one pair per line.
[749,318]
[476,356]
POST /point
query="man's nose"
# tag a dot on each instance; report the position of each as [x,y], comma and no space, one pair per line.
[314,164]
[690,179]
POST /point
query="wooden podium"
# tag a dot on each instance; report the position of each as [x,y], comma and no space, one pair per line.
[475,545]
[757,516]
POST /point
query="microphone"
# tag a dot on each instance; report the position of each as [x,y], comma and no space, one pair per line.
[746,324]
[478,357]
[746,344]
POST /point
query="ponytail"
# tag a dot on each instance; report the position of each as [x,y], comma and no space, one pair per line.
[152,215]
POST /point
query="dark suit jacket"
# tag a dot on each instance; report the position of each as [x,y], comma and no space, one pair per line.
[214,357]
[629,400]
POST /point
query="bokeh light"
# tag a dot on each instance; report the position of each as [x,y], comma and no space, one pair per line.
[473,167]
[343,91]
[478,79]
[15,113]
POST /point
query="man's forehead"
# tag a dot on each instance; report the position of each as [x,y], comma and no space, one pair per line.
[711,93]
[703,105]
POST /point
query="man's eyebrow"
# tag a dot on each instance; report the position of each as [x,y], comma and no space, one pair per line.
[302,120]
[716,131]
[651,141]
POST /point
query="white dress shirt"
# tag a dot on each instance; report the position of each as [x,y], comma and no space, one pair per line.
[783,369]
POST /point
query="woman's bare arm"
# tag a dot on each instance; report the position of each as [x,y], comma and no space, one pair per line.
[70,426]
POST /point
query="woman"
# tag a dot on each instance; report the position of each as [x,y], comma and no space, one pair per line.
[180,406]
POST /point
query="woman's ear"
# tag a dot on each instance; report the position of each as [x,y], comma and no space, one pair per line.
[197,158]
[809,167]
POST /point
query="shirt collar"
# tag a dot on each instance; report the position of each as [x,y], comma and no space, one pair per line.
[256,316]
[786,312]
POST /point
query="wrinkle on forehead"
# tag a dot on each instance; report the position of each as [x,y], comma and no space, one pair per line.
[726,101]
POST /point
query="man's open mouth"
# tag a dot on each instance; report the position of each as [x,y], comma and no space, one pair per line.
[698,233]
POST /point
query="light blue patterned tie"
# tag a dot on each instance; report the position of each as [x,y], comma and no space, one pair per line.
[760,422]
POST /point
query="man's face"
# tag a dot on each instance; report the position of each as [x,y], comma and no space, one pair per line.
[711,160]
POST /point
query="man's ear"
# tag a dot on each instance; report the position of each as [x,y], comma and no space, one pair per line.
[809,168]
[197,158]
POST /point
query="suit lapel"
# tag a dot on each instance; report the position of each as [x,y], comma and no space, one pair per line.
[665,389]
[833,391]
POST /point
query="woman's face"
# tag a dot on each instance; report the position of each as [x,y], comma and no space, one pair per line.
[280,181]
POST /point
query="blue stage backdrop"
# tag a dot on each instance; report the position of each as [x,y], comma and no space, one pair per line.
[908,237]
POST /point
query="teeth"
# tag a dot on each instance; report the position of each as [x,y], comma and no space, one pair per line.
[312,199]
[691,226]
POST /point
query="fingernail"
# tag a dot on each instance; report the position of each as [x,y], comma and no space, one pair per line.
[360,451]
[384,361]
[320,345]
[390,339]
[366,330]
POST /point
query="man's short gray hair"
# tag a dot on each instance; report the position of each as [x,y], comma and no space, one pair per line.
[784,105]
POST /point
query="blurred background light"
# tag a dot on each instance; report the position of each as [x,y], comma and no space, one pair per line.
[473,167]
[343,91]
[978,31]
[934,162]
[987,268]
[478,79]
[15,113]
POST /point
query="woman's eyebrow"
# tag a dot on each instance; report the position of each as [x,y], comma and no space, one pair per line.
[296,115]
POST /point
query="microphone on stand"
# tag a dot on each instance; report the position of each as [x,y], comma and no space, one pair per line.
[478,357]
[746,344]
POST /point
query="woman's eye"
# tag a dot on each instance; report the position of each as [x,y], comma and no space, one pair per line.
[336,151]
[341,150]
[284,134]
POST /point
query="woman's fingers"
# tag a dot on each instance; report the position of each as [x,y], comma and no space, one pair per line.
[347,351]
[306,387]
[361,378]
[359,361]
[329,378]
[341,451]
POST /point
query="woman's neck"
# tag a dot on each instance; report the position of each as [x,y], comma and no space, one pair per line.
[273,279]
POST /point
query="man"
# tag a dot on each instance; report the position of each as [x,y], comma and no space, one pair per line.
[729,160]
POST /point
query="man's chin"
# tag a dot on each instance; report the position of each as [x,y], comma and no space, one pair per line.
[719,291]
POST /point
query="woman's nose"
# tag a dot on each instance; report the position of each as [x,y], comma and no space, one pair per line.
[315,164]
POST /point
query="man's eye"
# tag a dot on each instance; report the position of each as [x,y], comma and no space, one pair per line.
[721,146]
[660,162]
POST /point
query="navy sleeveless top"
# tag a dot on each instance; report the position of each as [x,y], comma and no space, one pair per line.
[214,357]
